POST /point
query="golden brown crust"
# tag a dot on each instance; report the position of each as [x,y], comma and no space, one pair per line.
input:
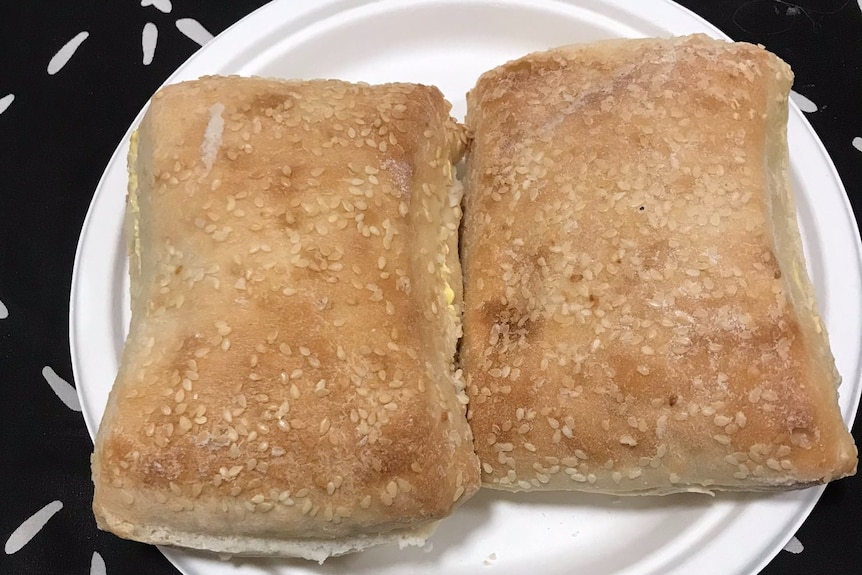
[288,371]
[637,314]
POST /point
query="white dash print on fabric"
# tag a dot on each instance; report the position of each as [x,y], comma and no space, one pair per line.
[27,530]
[62,388]
[97,565]
[160,5]
[4,311]
[794,546]
[193,29]
[149,37]
[804,103]
[6,101]
[61,58]
[857,141]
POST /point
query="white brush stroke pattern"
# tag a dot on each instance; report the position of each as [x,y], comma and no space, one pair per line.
[804,103]
[149,38]
[30,527]
[6,101]
[61,58]
[62,388]
[794,546]
[160,5]
[4,311]
[857,141]
[97,565]
[194,30]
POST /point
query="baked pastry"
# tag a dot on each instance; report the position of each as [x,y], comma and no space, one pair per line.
[638,319]
[287,385]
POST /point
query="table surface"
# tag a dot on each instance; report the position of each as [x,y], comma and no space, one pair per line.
[62,113]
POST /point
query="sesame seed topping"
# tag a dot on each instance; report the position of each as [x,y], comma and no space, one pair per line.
[620,253]
[293,243]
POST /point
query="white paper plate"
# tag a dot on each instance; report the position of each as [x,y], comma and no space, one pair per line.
[449,44]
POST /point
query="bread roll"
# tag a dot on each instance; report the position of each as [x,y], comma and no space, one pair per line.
[638,319]
[287,384]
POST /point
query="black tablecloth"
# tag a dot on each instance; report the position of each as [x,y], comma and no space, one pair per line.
[63,111]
